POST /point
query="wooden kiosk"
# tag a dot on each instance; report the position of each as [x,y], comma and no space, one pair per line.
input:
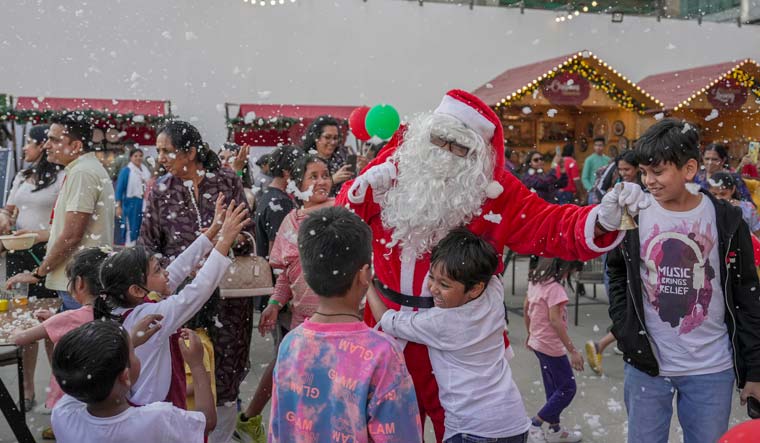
[723,100]
[572,98]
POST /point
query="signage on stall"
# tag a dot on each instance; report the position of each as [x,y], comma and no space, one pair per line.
[566,88]
[727,95]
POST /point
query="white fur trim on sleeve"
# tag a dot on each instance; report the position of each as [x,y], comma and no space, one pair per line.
[588,231]
[467,115]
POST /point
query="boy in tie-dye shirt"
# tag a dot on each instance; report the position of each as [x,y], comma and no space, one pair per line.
[337,380]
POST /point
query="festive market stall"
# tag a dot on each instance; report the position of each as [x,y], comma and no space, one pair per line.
[576,97]
[273,125]
[723,100]
[117,122]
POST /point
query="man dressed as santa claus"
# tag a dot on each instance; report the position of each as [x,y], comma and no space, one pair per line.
[447,170]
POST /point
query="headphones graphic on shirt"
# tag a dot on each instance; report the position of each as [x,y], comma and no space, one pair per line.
[697,272]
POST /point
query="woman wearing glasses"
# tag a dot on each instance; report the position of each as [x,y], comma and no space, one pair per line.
[540,179]
[324,137]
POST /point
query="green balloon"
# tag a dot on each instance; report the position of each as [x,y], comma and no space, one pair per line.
[382,121]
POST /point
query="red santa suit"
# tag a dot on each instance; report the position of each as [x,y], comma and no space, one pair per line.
[512,216]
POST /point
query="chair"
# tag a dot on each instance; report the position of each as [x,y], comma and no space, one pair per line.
[592,273]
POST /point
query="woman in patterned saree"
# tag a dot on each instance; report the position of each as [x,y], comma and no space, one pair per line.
[180,207]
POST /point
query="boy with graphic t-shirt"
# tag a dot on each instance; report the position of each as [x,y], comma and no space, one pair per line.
[683,298]
[336,379]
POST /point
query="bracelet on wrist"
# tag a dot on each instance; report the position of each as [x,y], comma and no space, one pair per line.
[239,173]
[36,274]
[274,302]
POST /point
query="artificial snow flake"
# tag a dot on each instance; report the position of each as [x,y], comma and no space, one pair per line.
[493,218]
[713,115]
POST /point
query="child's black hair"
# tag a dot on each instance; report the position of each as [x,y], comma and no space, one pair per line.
[600,139]
[86,265]
[725,180]
[465,257]
[668,141]
[551,270]
[88,359]
[333,244]
[117,273]
[283,159]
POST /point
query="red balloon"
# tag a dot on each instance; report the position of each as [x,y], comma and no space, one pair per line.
[356,123]
[746,432]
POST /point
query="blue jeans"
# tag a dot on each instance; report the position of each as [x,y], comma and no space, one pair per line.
[469,438]
[131,218]
[68,301]
[704,405]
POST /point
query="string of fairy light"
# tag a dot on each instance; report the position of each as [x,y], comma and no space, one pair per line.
[268,2]
[572,14]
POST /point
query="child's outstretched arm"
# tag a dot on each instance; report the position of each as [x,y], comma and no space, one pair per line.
[558,324]
[235,219]
[193,355]
[23,337]
[188,261]
[376,305]
[180,308]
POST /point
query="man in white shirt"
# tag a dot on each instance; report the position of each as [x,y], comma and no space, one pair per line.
[83,215]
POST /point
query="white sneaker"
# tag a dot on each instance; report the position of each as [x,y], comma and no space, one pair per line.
[563,436]
[536,435]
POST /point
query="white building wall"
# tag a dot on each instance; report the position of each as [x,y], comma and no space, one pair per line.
[202,53]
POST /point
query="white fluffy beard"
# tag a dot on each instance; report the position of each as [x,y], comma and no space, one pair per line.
[435,190]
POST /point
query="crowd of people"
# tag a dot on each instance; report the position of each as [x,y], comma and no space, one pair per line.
[388,306]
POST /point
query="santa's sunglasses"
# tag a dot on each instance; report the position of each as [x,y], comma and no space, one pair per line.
[450,145]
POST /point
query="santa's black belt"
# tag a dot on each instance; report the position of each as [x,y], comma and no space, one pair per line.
[401,299]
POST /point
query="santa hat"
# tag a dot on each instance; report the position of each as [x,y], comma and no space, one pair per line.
[479,117]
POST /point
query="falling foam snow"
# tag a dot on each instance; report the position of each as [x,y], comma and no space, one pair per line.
[551,112]
[614,405]
[659,116]
[693,188]
[713,115]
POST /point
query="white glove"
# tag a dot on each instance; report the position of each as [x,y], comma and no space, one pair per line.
[379,177]
[629,195]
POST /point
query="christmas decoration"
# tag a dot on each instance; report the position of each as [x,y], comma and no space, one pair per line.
[382,121]
[356,122]
[577,65]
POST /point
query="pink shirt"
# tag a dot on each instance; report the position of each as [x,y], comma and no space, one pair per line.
[541,297]
[291,286]
[56,327]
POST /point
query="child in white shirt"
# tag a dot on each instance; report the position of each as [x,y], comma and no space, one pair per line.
[95,364]
[129,276]
[464,333]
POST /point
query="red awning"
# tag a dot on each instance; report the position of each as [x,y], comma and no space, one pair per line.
[271,137]
[154,108]
[676,87]
[513,79]
[295,111]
